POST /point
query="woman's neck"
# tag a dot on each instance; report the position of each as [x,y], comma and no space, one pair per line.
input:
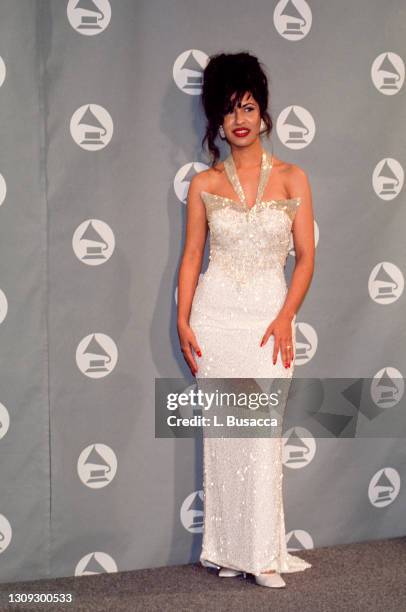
[249,156]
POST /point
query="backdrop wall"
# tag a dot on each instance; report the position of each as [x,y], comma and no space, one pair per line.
[101,126]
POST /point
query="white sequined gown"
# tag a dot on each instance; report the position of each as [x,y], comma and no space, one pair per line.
[235,300]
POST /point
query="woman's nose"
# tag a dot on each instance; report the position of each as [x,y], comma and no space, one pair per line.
[238,118]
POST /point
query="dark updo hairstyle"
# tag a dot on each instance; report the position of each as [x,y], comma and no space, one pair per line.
[224,75]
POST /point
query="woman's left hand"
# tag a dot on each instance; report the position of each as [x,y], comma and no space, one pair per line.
[281,328]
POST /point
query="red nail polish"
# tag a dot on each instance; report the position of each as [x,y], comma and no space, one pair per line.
[199,353]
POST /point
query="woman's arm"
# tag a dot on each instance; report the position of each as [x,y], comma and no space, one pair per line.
[303,238]
[190,267]
[192,257]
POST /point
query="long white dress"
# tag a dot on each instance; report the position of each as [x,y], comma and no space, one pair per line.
[241,292]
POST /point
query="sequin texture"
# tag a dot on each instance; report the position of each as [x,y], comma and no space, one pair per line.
[235,300]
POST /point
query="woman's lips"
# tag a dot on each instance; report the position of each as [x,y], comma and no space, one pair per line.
[241,132]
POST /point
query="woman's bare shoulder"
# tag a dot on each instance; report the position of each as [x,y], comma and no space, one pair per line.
[285,167]
[294,177]
[206,179]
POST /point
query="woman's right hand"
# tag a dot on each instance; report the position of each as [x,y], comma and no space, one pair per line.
[188,341]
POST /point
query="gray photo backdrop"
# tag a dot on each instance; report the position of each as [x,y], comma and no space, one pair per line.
[100,134]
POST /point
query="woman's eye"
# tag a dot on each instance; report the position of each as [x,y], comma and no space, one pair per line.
[247,108]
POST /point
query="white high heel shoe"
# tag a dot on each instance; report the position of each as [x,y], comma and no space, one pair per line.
[227,572]
[274,580]
[205,563]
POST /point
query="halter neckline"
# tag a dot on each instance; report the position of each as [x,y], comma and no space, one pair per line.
[232,174]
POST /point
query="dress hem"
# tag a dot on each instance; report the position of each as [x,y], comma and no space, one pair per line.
[275,565]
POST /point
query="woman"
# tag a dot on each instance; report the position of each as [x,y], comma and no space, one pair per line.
[239,317]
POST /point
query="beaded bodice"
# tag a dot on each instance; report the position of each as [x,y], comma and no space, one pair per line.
[246,240]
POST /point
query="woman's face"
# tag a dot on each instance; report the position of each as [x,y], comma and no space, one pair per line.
[242,124]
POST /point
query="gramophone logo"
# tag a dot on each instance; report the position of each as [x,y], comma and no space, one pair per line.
[188,71]
[299,448]
[387,179]
[388,73]
[2,71]
[305,343]
[386,283]
[89,17]
[183,178]
[3,189]
[292,20]
[4,421]
[191,512]
[93,242]
[387,387]
[176,289]
[96,355]
[384,487]
[3,306]
[5,533]
[298,540]
[91,127]
[316,239]
[97,466]
[295,127]
[95,563]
